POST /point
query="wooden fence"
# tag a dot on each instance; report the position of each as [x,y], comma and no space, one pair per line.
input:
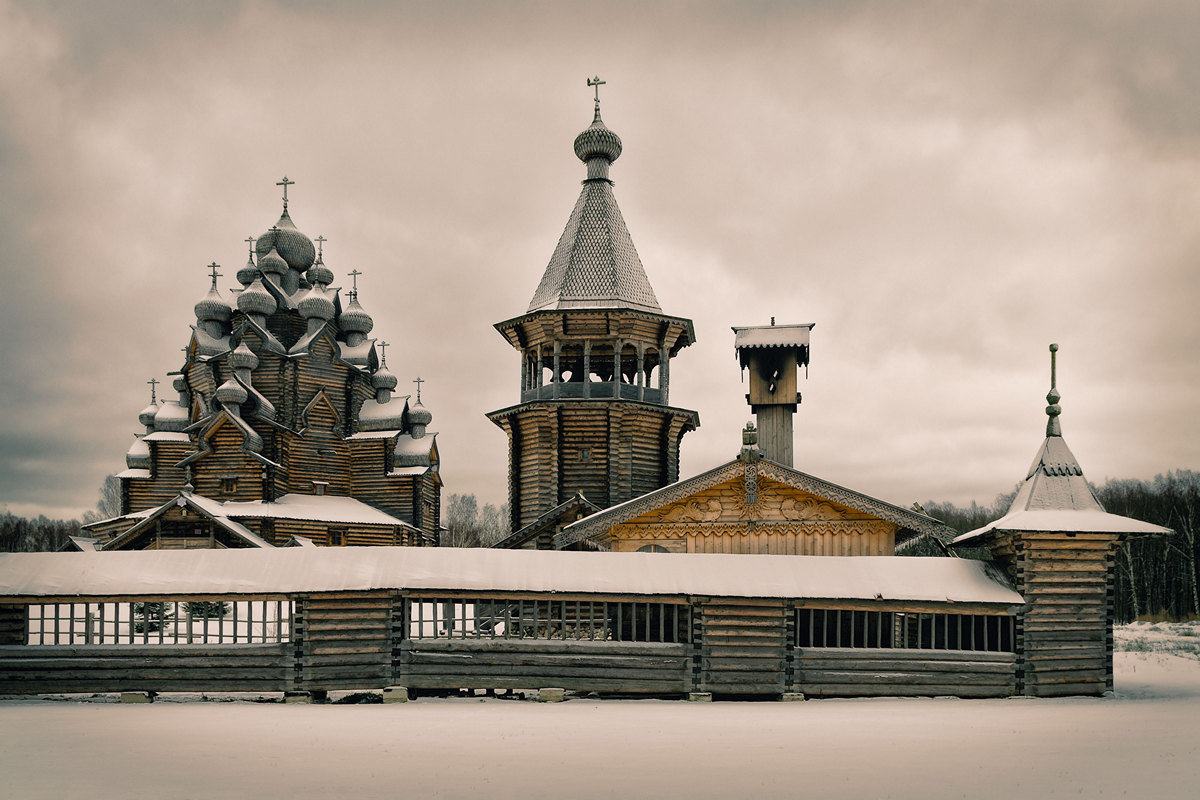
[445,641]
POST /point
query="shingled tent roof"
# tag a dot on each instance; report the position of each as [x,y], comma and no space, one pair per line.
[595,264]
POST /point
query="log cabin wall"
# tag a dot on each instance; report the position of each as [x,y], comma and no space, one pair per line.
[1065,631]
[343,641]
[448,640]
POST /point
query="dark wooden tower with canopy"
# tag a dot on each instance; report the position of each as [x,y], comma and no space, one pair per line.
[594,416]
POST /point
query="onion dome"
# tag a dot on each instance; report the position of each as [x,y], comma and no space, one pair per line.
[147,415]
[316,304]
[255,299]
[294,247]
[248,273]
[597,141]
[231,393]
[419,415]
[138,456]
[213,307]
[384,379]
[243,358]
[355,319]
[273,263]
[319,273]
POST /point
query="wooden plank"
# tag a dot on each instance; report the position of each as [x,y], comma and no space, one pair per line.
[857,689]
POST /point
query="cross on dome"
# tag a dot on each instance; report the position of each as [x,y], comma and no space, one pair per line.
[214,266]
[250,241]
[153,386]
[320,240]
[284,183]
[418,381]
[383,353]
[596,82]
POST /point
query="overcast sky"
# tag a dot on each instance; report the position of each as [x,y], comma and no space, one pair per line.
[943,188]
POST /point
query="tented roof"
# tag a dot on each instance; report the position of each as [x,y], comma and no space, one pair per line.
[324,569]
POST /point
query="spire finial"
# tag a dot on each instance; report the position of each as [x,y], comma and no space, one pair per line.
[153,386]
[1053,428]
[214,266]
[383,346]
[284,183]
[249,240]
[320,240]
[597,83]
[418,382]
[353,275]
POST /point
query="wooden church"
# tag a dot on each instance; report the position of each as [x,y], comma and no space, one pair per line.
[750,579]
[286,428]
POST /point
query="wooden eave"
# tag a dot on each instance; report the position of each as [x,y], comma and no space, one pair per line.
[499,417]
[548,326]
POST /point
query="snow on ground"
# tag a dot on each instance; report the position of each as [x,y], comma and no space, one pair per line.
[1143,743]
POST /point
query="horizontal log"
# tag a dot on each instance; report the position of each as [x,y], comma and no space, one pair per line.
[337,615]
[1091,688]
[154,673]
[103,651]
[313,627]
[718,635]
[990,609]
[602,684]
[894,690]
[730,665]
[598,647]
[733,651]
[887,664]
[322,648]
[965,656]
[543,674]
[732,687]
[85,685]
[542,659]
[913,678]
[333,672]
[346,659]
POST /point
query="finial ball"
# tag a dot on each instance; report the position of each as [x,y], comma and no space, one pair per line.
[1053,348]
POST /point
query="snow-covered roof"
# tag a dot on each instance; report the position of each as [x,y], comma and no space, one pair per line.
[208,508]
[166,436]
[375,434]
[322,508]
[134,473]
[1055,497]
[307,569]
[773,336]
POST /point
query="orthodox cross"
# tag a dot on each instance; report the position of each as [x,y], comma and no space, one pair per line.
[320,240]
[383,353]
[250,240]
[418,382]
[597,83]
[153,385]
[284,183]
[354,273]
[214,266]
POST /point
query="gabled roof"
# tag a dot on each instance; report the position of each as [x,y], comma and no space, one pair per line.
[548,520]
[602,521]
[210,509]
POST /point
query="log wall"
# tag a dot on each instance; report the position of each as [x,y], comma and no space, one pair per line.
[362,640]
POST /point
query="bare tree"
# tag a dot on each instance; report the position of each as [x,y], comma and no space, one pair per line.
[109,504]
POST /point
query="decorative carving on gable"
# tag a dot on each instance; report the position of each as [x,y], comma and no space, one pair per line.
[808,508]
[694,511]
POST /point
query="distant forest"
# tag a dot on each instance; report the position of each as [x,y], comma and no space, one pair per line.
[1157,577]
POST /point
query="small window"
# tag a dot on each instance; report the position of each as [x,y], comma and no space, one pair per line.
[319,487]
[229,484]
[653,548]
[337,538]
[585,454]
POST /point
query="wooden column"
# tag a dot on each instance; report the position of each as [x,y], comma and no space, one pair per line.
[556,378]
[664,375]
[587,369]
[617,368]
[640,378]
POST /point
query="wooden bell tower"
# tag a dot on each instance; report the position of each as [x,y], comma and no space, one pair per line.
[773,355]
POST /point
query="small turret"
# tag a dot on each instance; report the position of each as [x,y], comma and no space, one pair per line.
[256,302]
[213,311]
[772,353]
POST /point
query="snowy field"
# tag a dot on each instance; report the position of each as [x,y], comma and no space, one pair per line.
[1144,742]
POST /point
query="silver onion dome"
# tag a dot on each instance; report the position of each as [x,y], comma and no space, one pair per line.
[316,304]
[243,358]
[355,319]
[231,393]
[296,249]
[213,307]
[255,299]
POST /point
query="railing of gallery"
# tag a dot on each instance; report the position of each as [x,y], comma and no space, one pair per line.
[161,622]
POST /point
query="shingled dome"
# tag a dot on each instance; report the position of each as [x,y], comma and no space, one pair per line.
[295,248]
